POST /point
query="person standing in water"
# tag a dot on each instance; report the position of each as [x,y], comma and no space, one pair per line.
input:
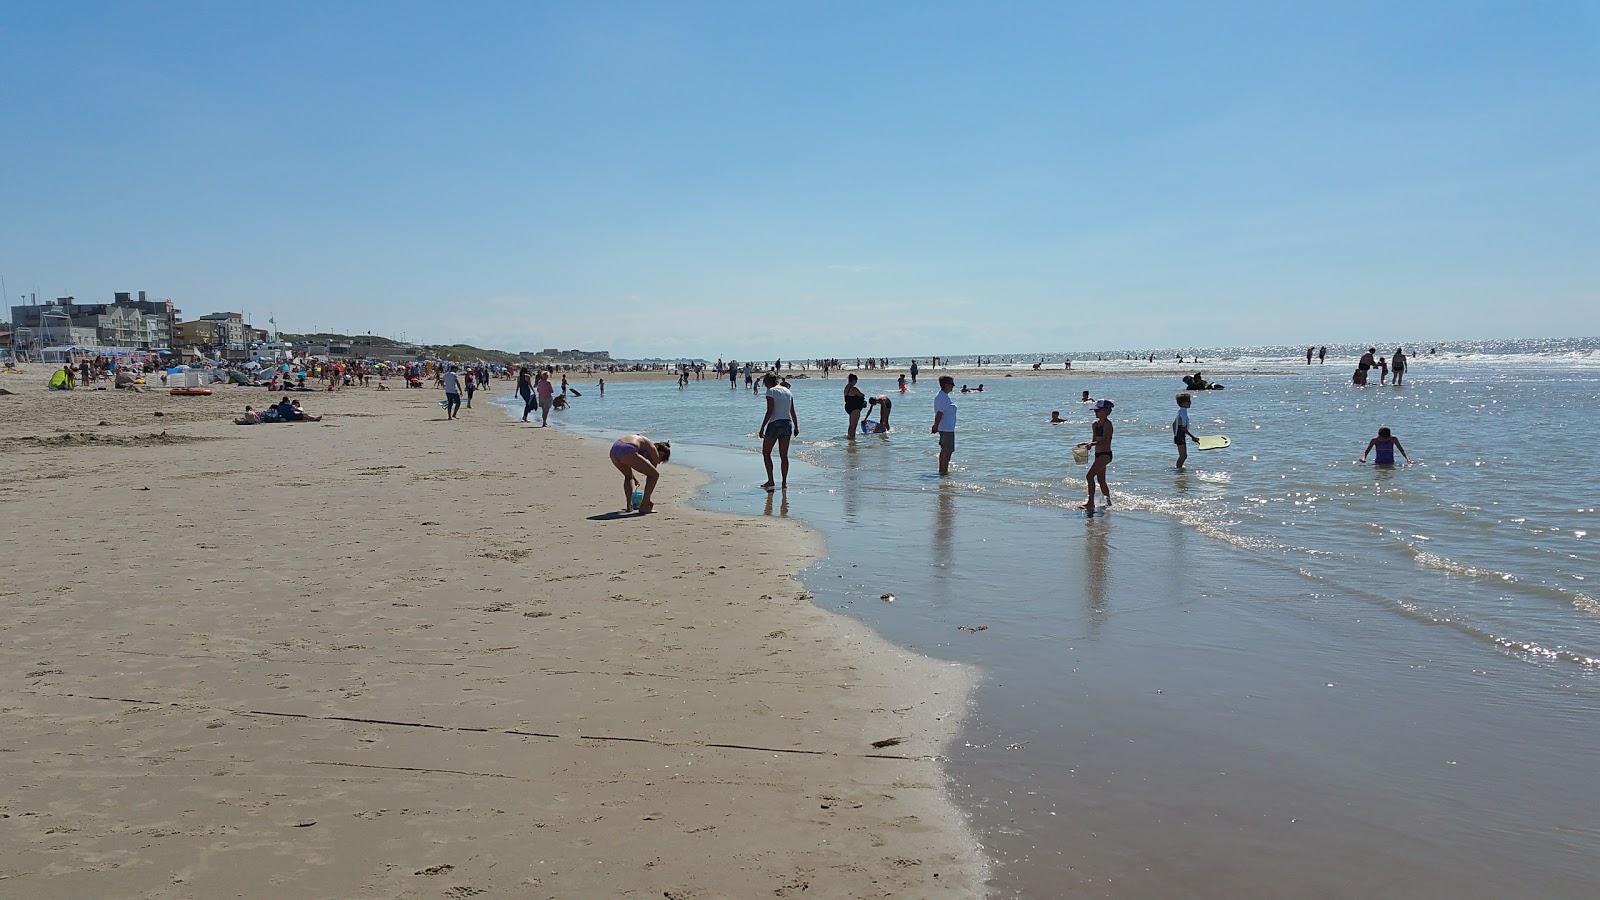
[1398,365]
[1322,356]
[1181,434]
[1385,444]
[1101,442]
[944,422]
[779,424]
[854,403]
[914,371]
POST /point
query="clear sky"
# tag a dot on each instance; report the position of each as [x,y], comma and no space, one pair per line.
[814,178]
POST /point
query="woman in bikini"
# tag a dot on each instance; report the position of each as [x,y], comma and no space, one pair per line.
[1102,451]
[636,453]
[883,404]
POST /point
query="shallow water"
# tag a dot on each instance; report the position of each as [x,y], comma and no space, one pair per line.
[1277,673]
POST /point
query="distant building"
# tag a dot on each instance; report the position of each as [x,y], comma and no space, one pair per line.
[200,333]
[124,323]
[230,328]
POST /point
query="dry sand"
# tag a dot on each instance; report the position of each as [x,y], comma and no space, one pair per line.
[390,656]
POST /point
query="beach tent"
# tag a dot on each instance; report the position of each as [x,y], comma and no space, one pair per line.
[58,381]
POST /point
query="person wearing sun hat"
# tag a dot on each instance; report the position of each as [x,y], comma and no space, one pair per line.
[1101,442]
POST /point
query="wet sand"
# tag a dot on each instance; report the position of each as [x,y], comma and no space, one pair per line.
[388,655]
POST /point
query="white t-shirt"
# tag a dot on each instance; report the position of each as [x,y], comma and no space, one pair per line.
[942,403]
[782,403]
[452,383]
[1180,425]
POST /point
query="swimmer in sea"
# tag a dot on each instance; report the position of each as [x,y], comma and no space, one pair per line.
[1385,444]
[1055,417]
[883,417]
[635,453]
[1086,398]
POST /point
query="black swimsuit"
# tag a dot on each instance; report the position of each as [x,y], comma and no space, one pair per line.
[853,402]
[1098,428]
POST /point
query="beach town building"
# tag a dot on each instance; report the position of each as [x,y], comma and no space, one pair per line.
[124,323]
[224,330]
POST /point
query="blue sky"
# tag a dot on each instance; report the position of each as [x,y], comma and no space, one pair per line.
[805,179]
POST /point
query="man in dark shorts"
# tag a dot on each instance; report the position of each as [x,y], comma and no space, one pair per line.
[944,422]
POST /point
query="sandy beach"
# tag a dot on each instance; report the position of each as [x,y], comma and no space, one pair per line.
[385,655]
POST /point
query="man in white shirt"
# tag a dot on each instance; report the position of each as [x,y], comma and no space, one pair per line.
[452,391]
[944,422]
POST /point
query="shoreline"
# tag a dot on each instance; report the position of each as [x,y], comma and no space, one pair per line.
[326,616]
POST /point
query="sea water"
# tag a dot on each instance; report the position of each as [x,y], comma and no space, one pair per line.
[1278,672]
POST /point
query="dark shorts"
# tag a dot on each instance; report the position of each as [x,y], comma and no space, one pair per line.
[452,399]
[947,441]
[1178,439]
[779,429]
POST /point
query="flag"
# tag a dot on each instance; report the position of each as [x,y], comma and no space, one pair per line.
[272,321]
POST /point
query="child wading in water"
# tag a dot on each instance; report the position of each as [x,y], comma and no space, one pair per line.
[1180,427]
[1386,444]
[1102,451]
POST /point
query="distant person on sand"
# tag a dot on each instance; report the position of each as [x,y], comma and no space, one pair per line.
[525,391]
[854,402]
[1398,365]
[636,453]
[1385,444]
[250,417]
[779,425]
[884,404]
[1101,442]
[452,392]
[1181,435]
[944,422]
[546,393]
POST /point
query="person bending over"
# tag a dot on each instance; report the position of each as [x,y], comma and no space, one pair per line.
[633,455]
